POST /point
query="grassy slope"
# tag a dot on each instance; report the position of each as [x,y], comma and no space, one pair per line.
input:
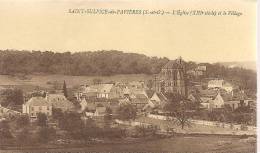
[194,128]
[71,81]
[175,144]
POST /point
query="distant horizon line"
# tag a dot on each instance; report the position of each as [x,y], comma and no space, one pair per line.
[212,62]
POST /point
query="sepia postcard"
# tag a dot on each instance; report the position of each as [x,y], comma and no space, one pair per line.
[128,76]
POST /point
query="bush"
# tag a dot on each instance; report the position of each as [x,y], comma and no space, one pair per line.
[5,130]
[45,134]
[24,137]
[113,133]
[22,121]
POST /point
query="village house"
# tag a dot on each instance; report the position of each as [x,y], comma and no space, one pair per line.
[236,103]
[105,90]
[215,83]
[202,68]
[205,102]
[220,84]
[93,104]
[158,99]
[85,92]
[198,71]
[217,102]
[37,105]
[123,101]
[211,99]
[83,104]
[135,86]
[59,101]
[139,101]
[194,98]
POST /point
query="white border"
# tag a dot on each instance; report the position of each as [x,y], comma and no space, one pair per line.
[258,73]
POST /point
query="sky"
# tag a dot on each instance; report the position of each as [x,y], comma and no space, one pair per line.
[47,25]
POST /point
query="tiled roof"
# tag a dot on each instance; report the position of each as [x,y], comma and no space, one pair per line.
[142,100]
[141,96]
[161,97]
[104,88]
[55,97]
[205,99]
[37,101]
[149,93]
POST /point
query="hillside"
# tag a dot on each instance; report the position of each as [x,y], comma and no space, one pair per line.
[22,64]
[246,65]
[46,81]
[81,63]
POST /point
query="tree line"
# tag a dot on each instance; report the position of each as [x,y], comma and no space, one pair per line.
[81,63]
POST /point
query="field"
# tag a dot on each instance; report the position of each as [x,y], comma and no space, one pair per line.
[191,144]
[32,81]
[192,128]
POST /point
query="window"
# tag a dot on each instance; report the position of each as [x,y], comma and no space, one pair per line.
[40,108]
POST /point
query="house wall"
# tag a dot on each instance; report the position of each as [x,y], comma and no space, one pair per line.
[32,111]
[218,102]
[215,84]
[228,88]
[102,95]
[155,98]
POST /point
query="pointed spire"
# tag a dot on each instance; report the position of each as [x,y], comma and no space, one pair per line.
[65,89]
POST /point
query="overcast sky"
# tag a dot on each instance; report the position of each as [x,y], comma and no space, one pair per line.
[46,25]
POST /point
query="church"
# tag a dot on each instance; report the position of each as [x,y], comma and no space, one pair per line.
[172,78]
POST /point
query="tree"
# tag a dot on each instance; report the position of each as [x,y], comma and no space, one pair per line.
[41,119]
[150,84]
[23,136]
[90,129]
[12,97]
[71,121]
[141,130]
[65,92]
[178,108]
[108,117]
[182,115]
[5,130]
[57,113]
[127,112]
[45,134]
[22,121]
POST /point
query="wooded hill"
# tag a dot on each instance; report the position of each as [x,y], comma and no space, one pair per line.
[81,63]
[106,63]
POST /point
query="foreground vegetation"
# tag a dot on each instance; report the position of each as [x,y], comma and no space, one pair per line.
[175,144]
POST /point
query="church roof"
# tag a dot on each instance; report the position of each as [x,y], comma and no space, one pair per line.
[173,64]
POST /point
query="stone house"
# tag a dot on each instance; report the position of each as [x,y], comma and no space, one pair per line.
[59,101]
[37,105]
